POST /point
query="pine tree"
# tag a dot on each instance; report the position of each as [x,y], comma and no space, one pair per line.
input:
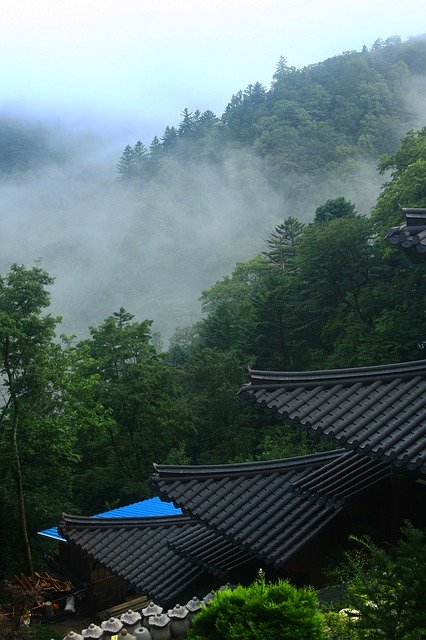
[283,241]
[127,163]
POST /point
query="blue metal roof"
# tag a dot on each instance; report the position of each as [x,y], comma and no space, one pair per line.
[143,509]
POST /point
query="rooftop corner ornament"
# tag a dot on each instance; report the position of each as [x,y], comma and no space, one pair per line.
[411,237]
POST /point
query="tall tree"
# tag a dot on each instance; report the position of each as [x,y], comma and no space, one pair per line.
[334,208]
[25,335]
[407,187]
[283,241]
[126,164]
[148,416]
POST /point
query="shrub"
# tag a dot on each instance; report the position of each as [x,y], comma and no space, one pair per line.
[44,632]
[388,588]
[340,627]
[260,612]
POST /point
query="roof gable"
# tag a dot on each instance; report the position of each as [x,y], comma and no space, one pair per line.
[252,505]
[411,237]
[379,412]
[144,508]
[136,550]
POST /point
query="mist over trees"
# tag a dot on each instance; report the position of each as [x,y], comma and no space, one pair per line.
[312,121]
[83,421]
[183,208]
[260,212]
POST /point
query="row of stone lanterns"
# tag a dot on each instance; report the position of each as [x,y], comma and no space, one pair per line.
[151,624]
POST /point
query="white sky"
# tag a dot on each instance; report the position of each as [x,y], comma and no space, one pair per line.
[138,63]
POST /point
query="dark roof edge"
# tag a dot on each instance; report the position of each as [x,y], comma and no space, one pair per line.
[400,369]
[136,586]
[414,216]
[120,523]
[248,467]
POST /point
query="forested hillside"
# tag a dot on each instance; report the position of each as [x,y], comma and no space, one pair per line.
[311,123]
[183,209]
[83,419]
[210,189]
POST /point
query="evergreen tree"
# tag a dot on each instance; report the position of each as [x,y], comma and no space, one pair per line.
[169,138]
[283,241]
[333,209]
[127,163]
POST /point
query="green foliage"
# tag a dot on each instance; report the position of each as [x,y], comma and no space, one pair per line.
[312,122]
[336,261]
[260,612]
[388,588]
[44,632]
[407,187]
[225,428]
[282,242]
[143,414]
[340,627]
[332,209]
[27,383]
[288,442]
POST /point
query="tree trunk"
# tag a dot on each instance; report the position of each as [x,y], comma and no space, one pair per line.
[20,492]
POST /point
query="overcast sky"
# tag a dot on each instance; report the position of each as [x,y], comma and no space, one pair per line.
[138,63]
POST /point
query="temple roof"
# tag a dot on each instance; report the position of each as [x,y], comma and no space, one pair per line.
[378,412]
[251,504]
[136,550]
[340,479]
[209,550]
[233,514]
[143,508]
[160,556]
[411,236]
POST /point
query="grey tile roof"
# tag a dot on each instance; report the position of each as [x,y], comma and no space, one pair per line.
[340,479]
[267,510]
[210,550]
[158,556]
[411,235]
[378,412]
[251,504]
[137,550]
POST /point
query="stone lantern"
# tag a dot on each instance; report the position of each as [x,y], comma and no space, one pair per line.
[73,636]
[151,610]
[209,597]
[142,633]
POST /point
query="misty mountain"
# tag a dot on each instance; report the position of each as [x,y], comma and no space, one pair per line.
[179,212]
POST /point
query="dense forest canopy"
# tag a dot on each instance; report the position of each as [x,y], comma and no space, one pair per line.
[83,419]
[311,121]
[188,205]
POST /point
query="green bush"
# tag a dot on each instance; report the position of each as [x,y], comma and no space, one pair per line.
[35,631]
[44,632]
[260,612]
[388,588]
[339,627]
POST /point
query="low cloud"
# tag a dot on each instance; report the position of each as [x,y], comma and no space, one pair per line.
[150,250]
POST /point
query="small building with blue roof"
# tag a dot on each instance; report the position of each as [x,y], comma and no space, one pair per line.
[144,508]
[103,588]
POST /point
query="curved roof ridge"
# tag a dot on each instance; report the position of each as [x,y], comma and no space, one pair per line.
[378,411]
[249,467]
[375,372]
[147,521]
